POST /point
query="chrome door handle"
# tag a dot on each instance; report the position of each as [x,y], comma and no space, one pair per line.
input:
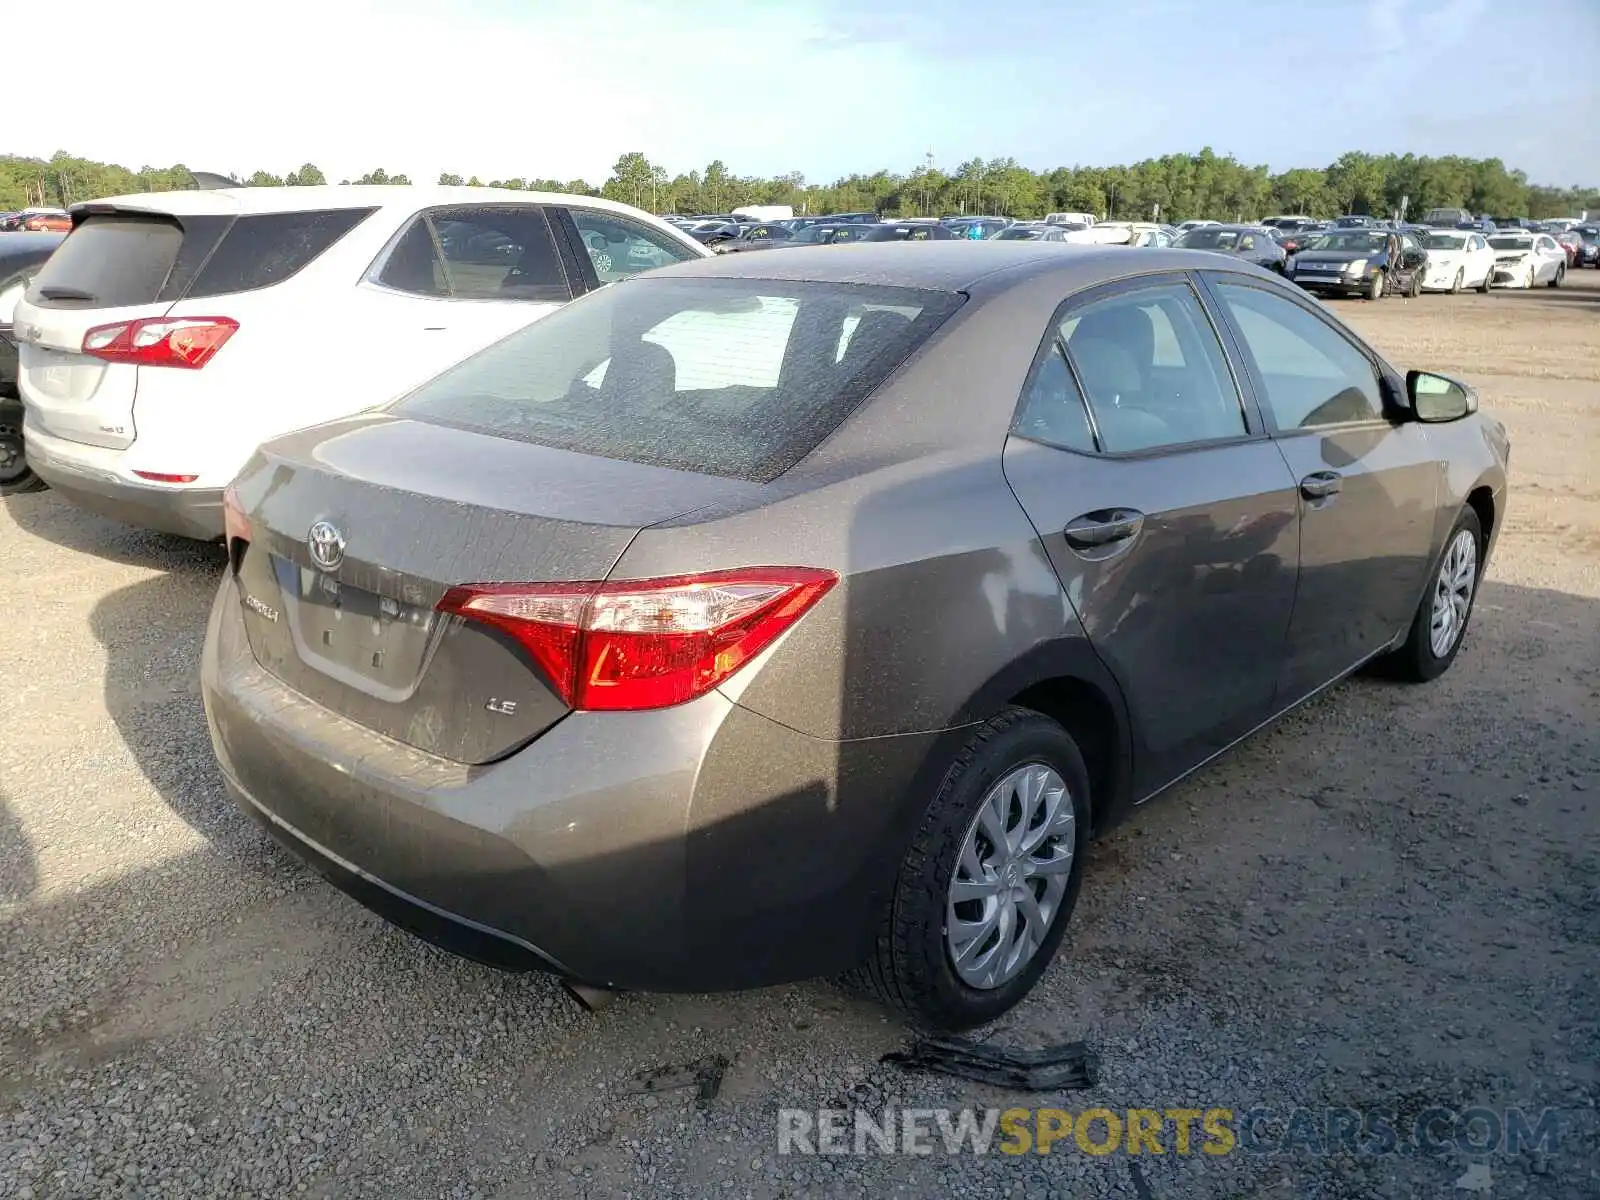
[1319,485]
[1102,528]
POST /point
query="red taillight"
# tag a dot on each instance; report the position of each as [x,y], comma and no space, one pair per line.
[159,477]
[234,522]
[648,643]
[161,341]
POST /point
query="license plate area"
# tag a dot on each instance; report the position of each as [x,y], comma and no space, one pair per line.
[352,633]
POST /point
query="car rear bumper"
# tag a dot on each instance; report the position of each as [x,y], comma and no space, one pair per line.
[696,848]
[85,476]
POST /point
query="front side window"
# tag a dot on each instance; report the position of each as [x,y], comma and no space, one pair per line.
[1313,376]
[1153,370]
[619,247]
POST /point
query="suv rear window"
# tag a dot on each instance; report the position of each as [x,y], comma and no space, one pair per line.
[733,377]
[110,261]
[266,248]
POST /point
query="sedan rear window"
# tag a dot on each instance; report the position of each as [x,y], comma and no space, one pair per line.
[110,261]
[731,377]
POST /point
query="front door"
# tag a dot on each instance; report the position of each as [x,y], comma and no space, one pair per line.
[1369,485]
[1170,519]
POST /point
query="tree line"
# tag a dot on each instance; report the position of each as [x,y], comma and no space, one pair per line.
[1174,187]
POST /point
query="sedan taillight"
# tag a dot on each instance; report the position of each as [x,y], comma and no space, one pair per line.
[189,342]
[648,643]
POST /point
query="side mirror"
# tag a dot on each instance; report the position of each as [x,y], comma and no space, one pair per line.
[1438,398]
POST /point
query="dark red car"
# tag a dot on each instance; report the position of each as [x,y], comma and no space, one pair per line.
[1571,241]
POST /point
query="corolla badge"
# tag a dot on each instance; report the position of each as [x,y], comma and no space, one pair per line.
[326,545]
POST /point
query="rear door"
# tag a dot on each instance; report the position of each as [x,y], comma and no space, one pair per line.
[115,266]
[1169,516]
[1369,486]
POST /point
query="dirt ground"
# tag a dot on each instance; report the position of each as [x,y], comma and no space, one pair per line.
[1387,903]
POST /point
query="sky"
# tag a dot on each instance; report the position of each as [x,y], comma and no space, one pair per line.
[553,89]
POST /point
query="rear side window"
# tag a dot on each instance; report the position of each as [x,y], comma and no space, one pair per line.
[110,261]
[489,253]
[732,377]
[267,248]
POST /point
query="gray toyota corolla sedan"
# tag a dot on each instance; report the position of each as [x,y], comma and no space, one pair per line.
[774,616]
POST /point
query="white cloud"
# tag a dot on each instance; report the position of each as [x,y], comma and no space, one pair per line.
[541,89]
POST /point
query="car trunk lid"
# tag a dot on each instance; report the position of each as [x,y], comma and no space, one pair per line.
[357,530]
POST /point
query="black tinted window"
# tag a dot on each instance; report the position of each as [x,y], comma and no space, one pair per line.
[414,265]
[1313,376]
[262,249]
[740,378]
[110,261]
[500,254]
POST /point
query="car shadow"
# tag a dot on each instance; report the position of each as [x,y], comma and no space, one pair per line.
[19,869]
[48,516]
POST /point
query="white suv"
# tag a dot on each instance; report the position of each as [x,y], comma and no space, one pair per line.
[172,333]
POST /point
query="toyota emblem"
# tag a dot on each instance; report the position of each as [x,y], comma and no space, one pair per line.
[326,544]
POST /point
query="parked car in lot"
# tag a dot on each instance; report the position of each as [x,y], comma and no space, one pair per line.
[1571,241]
[21,256]
[1447,218]
[1457,259]
[1295,239]
[1361,262]
[1034,231]
[1253,243]
[1525,260]
[1291,221]
[714,231]
[767,617]
[892,231]
[976,228]
[1186,226]
[171,333]
[1589,251]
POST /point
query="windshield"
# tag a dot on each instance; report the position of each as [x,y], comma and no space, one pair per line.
[814,233]
[1209,238]
[1445,241]
[1358,241]
[1511,243]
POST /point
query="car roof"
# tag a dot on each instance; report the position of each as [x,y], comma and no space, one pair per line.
[956,265]
[249,200]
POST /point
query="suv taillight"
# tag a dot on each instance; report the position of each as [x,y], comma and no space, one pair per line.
[648,643]
[161,341]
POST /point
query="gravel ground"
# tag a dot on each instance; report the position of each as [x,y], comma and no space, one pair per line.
[1387,901]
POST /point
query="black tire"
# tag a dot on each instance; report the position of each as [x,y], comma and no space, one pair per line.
[1560,276]
[1415,661]
[1488,282]
[909,969]
[1415,289]
[1375,287]
[1455,284]
[15,477]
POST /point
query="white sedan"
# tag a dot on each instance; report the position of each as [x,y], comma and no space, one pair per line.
[1526,259]
[1457,259]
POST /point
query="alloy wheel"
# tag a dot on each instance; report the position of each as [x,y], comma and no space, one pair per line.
[1452,593]
[1011,876]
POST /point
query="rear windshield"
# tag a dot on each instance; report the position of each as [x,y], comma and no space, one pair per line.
[732,377]
[110,261]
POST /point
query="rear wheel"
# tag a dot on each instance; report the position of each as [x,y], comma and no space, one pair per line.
[1560,275]
[985,891]
[16,476]
[1441,618]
